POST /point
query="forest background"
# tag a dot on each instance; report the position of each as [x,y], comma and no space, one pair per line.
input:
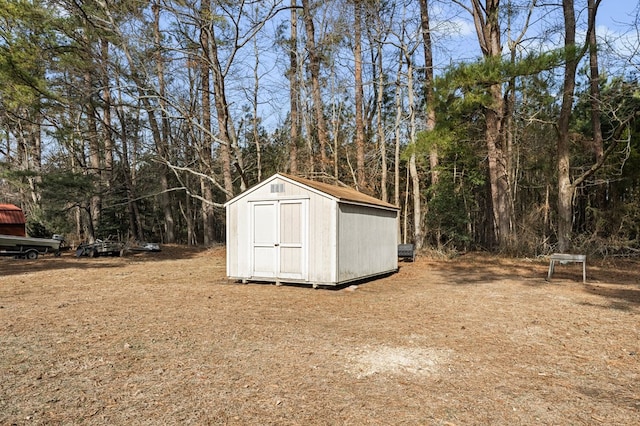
[509,126]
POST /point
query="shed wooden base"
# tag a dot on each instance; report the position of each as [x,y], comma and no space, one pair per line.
[566,258]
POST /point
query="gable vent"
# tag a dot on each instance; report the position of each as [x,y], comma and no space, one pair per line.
[277,188]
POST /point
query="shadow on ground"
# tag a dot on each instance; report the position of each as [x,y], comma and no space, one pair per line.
[68,260]
[618,281]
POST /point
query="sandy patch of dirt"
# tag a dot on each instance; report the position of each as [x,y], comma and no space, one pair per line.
[165,338]
[396,360]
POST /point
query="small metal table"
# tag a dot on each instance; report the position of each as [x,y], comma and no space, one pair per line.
[566,258]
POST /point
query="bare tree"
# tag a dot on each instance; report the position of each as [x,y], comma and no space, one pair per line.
[314,70]
[487,24]
[567,187]
[129,167]
[402,231]
[95,165]
[359,94]
[418,235]
[163,147]
[209,61]
[428,86]
[294,91]
[378,30]
[594,83]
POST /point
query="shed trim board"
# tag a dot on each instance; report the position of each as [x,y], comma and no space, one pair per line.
[290,229]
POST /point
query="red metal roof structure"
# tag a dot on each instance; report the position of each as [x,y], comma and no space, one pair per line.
[12,220]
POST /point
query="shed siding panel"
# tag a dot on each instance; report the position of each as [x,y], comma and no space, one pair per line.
[238,244]
[244,238]
[293,239]
[367,242]
[232,240]
[322,233]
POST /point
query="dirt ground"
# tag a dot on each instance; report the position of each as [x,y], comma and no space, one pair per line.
[165,338]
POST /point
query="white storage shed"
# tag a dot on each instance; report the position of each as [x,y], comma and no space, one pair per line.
[290,229]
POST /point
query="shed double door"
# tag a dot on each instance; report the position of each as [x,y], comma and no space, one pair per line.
[279,239]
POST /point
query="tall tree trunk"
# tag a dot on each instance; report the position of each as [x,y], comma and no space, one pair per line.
[36,155]
[294,91]
[163,146]
[565,187]
[128,172]
[510,130]
[418,236]
[155,133]
[106,114]
[429,95]
[594,84]
[308,131]
[226,134]
[95,166]
[359,94]
[336,110]
[382,144]
[256,130]
[428,87]
[316,93]
[29,153]
[487,25]
[397,131]
[207,141]
[159,132]
[192,238]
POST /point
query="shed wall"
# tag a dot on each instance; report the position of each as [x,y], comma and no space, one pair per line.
[13,229]
[367,242]
[12,220]
[321,241]
[233,240]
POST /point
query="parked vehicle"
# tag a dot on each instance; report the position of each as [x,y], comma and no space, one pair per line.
[107,247]
[29,247]
[114,247]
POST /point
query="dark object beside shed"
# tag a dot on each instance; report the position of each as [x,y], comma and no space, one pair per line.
[407,252]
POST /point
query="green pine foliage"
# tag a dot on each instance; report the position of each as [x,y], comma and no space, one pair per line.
[62,192]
